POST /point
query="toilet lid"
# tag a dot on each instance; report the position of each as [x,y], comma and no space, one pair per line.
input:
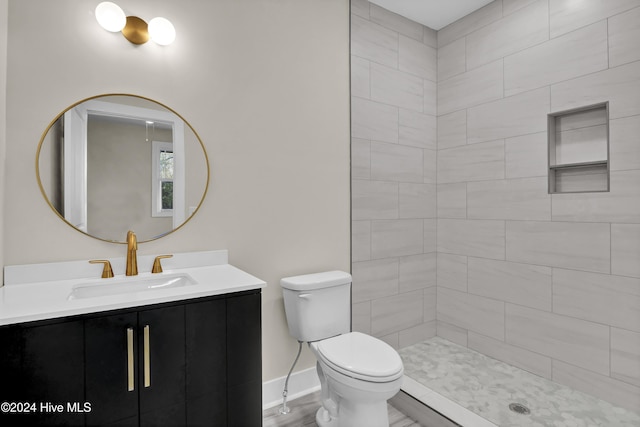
[361,356]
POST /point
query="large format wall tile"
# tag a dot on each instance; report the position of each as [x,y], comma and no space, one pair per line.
[417,58]
[396,22]
[526,155]
[575,341]
[567,15]
[391,162]
[417,200]
[526,27]
[417,129]
[417,334]
[430,304]
[620,86]
[391,238]
[482,315]
[611,390]
[430,90]
[474,87]
[470,23]
[581,246]
[395,313]
[430,166]
[524,284]
[475,162]
[452,333]
[374,200]
[373,42]
[575,54]
[394,87]
[430,37]
[360,83]
[373,121]
[517,115]
[625,356]
[452,59]
[452,129]
[429,235]
[625,249]
[602,298]
[360,8]
[374,279]
[417,272]
[624,38]
[620,204]
[452,271]
[623,144]
[361,317]
[517,199]
[360,241]
[452,200]
[510,6]
[360,158]
[478,238]
[519,357]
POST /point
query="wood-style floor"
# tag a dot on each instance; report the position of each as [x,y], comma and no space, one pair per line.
[303,414]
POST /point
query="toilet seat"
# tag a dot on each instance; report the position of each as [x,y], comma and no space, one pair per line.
[360,356]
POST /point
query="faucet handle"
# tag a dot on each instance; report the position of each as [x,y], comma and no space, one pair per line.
[157,266]
[107,271]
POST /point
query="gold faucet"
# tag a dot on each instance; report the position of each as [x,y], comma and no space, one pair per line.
[132,259]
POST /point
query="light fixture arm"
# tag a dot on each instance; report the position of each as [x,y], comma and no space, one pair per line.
[112,18]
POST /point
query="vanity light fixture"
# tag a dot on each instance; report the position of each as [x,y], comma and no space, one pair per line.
[112,18]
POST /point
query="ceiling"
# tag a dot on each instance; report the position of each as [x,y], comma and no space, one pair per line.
[435,14]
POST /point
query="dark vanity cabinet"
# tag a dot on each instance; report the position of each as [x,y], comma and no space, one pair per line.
[189,363]
[41,366]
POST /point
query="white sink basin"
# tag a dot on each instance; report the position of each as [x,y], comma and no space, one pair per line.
[130,285]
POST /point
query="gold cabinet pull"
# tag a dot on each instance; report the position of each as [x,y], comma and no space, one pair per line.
[107,271]
[157,266]
[130,373]
[147,358]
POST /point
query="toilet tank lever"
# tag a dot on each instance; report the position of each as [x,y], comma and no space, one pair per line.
[305,296]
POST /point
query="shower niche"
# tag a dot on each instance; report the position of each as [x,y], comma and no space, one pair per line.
[579,150]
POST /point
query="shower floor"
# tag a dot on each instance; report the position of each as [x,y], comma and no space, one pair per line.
[463,384]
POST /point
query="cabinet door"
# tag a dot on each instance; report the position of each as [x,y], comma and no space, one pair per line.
[10,381]
[53,372]
[244,361]
[206,336]
[161,357]
[111,343]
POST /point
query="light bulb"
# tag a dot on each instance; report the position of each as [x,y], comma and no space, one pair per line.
[110,16]
[161,31]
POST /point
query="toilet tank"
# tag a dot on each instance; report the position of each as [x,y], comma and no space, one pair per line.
[317,306]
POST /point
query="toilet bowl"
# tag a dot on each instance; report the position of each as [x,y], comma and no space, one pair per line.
[358,373]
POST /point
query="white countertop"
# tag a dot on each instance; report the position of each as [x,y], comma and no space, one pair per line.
[41,291]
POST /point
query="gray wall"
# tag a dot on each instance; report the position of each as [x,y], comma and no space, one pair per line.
[238,72]
[119,179]
[393,129]
[547,283]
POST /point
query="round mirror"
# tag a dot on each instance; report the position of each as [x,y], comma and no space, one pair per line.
[113,163]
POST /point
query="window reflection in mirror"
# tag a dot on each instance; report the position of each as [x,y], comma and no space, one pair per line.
[114,163]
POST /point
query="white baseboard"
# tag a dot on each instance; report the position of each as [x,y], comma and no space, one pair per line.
[301,383]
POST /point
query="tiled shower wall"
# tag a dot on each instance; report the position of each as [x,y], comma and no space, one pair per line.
[393,104]
[549,283]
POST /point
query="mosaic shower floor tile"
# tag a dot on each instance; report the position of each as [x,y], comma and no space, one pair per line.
[487,386]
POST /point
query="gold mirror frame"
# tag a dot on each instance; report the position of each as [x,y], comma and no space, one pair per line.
[54,121]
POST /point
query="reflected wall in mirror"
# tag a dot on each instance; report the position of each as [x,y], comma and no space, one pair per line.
[113,163]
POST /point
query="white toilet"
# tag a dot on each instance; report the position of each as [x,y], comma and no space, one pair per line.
[358,373]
